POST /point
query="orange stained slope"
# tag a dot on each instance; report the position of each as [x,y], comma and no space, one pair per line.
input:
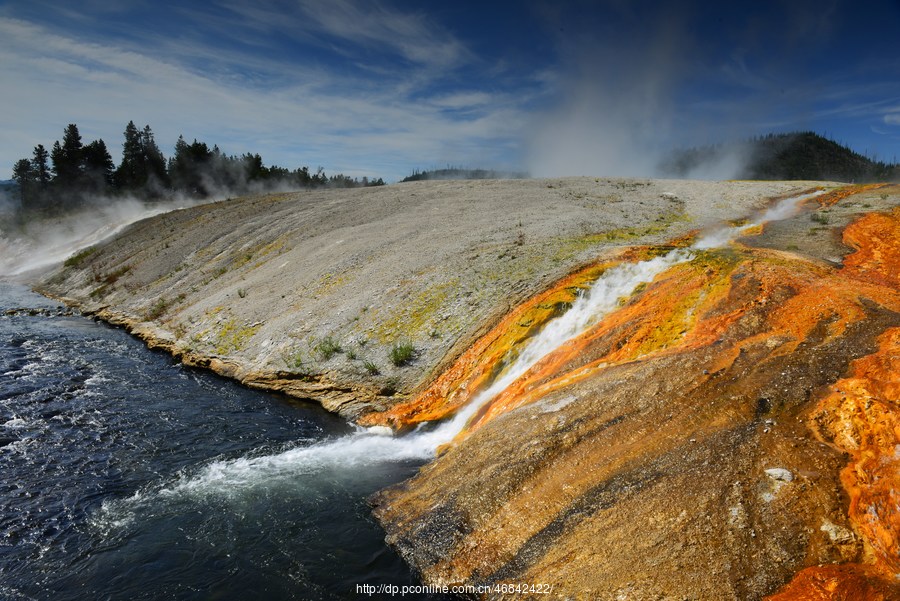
[704,301]
[696,303]
[477,367]
[838,194]
[861,416]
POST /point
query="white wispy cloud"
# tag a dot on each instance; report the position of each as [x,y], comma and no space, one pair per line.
[346,26]
[371,23]
[463,100]
[292,113]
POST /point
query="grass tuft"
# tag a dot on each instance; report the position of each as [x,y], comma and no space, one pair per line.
[158,308]
[328,348]
[402,353]
[76,259]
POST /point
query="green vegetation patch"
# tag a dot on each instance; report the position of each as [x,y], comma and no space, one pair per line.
[113,276]
[158,308]
[232,337]
[570,247]
[327,348]
[402,353]
[820,217]
[416,315]
[79,257]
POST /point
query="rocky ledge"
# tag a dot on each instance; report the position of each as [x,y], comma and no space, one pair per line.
[727,431]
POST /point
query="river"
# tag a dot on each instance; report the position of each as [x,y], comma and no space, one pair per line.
[129,476]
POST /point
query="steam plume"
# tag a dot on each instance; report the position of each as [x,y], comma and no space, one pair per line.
[40,244]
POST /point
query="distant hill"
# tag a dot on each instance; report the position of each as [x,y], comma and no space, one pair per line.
[792,156]
[459,173]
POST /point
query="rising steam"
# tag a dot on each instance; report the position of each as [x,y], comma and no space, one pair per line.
[42,243]
[620,100]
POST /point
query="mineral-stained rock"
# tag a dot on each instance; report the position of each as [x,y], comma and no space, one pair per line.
[689,445]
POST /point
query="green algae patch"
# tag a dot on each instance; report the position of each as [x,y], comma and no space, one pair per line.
[78,258]
[569,247]
[232,337]
[416,316]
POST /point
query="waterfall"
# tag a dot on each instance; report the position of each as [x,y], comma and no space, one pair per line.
[377,445]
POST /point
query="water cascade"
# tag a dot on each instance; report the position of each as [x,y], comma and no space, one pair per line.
[370,446]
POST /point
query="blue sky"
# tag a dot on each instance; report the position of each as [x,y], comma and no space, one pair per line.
[379,88]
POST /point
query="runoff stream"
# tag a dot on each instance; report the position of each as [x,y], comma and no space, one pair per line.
[128,476]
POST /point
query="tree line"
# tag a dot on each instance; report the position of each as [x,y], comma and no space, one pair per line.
[803,155]
[462,173]
[72,173]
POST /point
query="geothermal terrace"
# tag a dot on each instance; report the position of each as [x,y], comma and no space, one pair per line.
[629,387]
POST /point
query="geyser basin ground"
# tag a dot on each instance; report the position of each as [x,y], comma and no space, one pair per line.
[667,451]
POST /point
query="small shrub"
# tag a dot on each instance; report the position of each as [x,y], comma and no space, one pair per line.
[113,277]
[242,292]
[293,359]
[158,308]
[351,354]
[328,348]
[371,368]
[820,218]
[402,353]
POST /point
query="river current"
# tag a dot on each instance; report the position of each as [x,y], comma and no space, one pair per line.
[128,476]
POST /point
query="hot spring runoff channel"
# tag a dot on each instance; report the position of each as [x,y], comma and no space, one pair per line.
[128,476]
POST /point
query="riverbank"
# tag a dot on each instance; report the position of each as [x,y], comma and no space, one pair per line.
[358,299]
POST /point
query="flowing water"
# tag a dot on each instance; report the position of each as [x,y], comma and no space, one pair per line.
[127,476]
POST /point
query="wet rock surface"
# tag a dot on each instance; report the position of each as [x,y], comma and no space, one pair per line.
[727,432]
[694,444]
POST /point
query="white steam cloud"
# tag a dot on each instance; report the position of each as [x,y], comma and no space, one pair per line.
[40,244]
[620,101]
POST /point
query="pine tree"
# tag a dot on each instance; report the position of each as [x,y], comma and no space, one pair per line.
[132,172]
[154,161]
[98,167]
[190,167]
[41,166]
[67,159]
[24,175]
